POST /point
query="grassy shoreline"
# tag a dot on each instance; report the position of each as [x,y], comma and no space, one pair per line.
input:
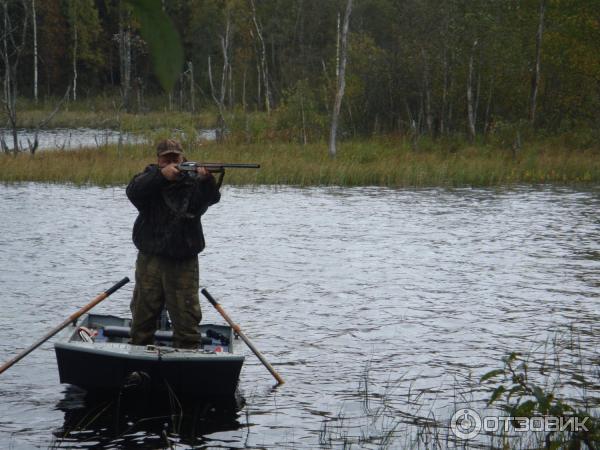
[382,160]
[373,162]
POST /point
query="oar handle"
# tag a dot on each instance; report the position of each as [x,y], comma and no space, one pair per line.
[69,320]
[117,286]
[241,334]
[209,297]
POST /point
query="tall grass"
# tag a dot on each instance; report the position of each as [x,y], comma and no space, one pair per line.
[377,161]
[558,379]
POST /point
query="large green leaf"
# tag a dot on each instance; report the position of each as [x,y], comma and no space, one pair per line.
[163,40]
[543,399]
[525,409]
[491,374]
[496,394]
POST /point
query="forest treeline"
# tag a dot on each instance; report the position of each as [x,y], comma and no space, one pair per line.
[414,66]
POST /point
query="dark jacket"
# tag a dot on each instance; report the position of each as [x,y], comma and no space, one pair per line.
[168,223]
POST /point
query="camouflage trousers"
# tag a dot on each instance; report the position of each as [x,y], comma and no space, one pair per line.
[166,282]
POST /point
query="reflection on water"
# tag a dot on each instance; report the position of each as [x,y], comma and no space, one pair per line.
[133,421]
[70,138]
[427,289]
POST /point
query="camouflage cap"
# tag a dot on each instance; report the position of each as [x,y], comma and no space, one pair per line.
[168,146]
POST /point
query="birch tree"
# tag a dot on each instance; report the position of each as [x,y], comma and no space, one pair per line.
[14,35]
[192,87]
[219,97]
[263,68]
[427,92]
[35,51]
[125,56]
[535,77]
[470,97]
[75,41]
[85,34]
[341,81]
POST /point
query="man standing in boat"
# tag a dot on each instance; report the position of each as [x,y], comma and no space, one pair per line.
[168,235]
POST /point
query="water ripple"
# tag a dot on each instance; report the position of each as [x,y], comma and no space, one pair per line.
[428,289]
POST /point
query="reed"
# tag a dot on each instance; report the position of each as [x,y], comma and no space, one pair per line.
[375,162]
[558,379]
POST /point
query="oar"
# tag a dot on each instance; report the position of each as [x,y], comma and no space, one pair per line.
[71,318]
[241,334]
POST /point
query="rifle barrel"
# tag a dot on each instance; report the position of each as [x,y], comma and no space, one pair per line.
[229,165]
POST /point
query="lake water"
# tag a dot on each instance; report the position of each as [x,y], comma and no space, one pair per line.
[75,138]
[381,308]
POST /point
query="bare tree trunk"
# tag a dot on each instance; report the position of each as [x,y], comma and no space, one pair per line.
[444,95]
[231,88]
[263,58]
[414,129]
[245,105]
[427,89]
[304,140]
[488,108]
[110,64]
[258,85]
[125,59]
[337,48]
[220,131]
[326,84]
[450,112]
[447,75]
[127,69]
[10,57]
[138,91]
[450,98]
[244,90]
[225,49]
[192,83]
[341,82]
[35,52]
[74,59]
[5,59]
[535,78]
[220,100]
[181,78]
[420,115]
[470,106]
[477,97]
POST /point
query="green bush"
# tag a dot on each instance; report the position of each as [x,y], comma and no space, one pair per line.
[300,115]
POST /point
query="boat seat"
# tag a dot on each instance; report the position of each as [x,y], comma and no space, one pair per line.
[125,332]
[160,335]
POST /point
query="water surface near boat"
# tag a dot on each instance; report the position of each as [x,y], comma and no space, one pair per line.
[412,293]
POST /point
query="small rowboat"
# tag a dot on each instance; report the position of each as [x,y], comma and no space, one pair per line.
[95,354]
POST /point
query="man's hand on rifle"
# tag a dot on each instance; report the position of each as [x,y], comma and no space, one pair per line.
[202,171]
[170,172]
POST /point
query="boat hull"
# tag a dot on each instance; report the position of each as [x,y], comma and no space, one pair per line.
[106,366]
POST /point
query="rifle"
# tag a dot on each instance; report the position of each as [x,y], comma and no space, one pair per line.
[189,167]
